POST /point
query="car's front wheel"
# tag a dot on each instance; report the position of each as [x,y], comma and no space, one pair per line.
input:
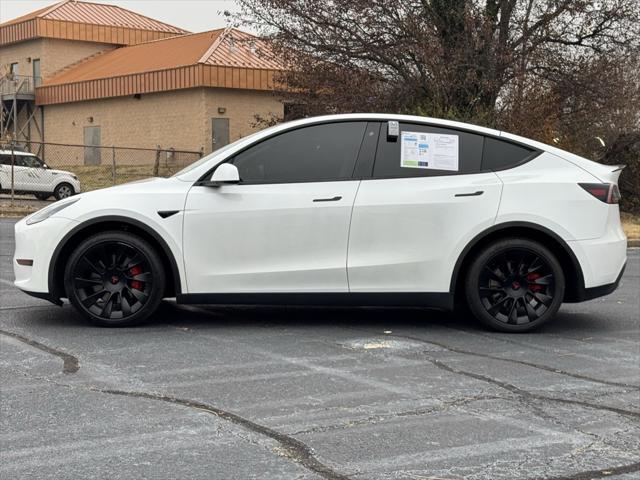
[515,285]
[64,190]
[115,279]
[42,196]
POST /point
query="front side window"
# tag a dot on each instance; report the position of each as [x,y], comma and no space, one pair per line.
[426,151]
[32,162]
[316,153]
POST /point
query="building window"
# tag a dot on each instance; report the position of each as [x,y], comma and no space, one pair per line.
[37,76]
[14,69]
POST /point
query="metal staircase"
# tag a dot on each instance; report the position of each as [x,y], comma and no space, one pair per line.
[21,120]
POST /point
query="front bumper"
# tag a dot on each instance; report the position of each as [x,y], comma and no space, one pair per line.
[37,243]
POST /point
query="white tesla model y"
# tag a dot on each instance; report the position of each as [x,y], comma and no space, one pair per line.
[362,209]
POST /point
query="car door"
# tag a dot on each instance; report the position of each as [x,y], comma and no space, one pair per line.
[22,176]
[5,172]
[38,178]
[285,226]
[425,200]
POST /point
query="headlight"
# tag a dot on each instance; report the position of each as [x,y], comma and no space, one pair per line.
[46,212]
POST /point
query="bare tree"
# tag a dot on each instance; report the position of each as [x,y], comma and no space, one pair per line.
[445,57]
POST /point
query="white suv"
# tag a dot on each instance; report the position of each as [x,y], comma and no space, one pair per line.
[32,176]
[359,209]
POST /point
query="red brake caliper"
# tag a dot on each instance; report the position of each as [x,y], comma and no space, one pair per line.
[531,278]
[138,285]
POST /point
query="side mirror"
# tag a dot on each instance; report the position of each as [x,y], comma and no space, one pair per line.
[224,174]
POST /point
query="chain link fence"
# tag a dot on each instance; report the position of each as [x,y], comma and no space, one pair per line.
[57,170]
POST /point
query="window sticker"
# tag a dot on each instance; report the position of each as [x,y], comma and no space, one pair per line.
[433,151]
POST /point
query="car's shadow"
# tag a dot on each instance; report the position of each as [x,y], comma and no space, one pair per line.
[293,317]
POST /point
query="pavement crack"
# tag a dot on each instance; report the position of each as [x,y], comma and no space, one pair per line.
[602,473]
[71,364]
[530,395]
[518,362]
[288,446]
[374,419]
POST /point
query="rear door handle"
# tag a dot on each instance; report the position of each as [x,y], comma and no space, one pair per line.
[332,199]
[474,194]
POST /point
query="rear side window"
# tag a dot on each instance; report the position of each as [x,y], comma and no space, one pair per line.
[316,153]
[5,159]
[499,155]
[459,152]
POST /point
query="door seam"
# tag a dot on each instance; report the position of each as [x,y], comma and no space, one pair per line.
[353,206]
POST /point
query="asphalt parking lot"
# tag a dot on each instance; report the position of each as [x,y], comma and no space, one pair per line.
[306,393]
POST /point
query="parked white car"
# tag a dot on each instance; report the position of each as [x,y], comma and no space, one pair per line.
[363,209]
[32,176]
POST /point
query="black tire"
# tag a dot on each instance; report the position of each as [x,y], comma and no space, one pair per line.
[115,279]
[42,196]
[514,285]
[63,190]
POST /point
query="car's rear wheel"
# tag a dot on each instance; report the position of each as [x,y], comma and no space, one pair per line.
[64,190]
[115,279]
[42,196]
[515,285]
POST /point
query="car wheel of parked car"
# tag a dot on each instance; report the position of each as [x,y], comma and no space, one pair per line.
[42,196]
[64,190]
[515,285]
[115,278]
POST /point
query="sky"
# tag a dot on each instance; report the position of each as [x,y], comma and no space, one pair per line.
[192,15]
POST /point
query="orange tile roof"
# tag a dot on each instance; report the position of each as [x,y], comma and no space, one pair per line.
[96,14]
[222,47]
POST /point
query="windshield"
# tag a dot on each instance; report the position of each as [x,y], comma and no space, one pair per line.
[215,153]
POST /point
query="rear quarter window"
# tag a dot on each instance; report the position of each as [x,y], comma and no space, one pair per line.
[501,155]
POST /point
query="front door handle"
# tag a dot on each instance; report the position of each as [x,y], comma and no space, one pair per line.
[474,194]
[332,199]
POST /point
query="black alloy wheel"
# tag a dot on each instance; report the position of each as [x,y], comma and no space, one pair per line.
[115,279]
[515,285]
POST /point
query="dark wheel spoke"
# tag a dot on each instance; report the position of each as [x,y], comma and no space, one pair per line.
[108,306]
[142,277]
[92,265]
[535,265]
[139,295]
[126,307]
[498,306]
[486,291]
[132,262]
[512,316]
[93,298]
[531,312]
[546,280]
[542,298]
[498,277]
[89,281]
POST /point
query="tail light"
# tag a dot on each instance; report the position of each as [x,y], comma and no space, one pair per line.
[605,192]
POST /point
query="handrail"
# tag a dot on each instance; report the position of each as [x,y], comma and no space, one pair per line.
[11,84]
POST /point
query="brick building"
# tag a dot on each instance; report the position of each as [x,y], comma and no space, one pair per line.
[94,74]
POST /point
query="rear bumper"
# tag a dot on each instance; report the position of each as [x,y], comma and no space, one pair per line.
[600,291]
